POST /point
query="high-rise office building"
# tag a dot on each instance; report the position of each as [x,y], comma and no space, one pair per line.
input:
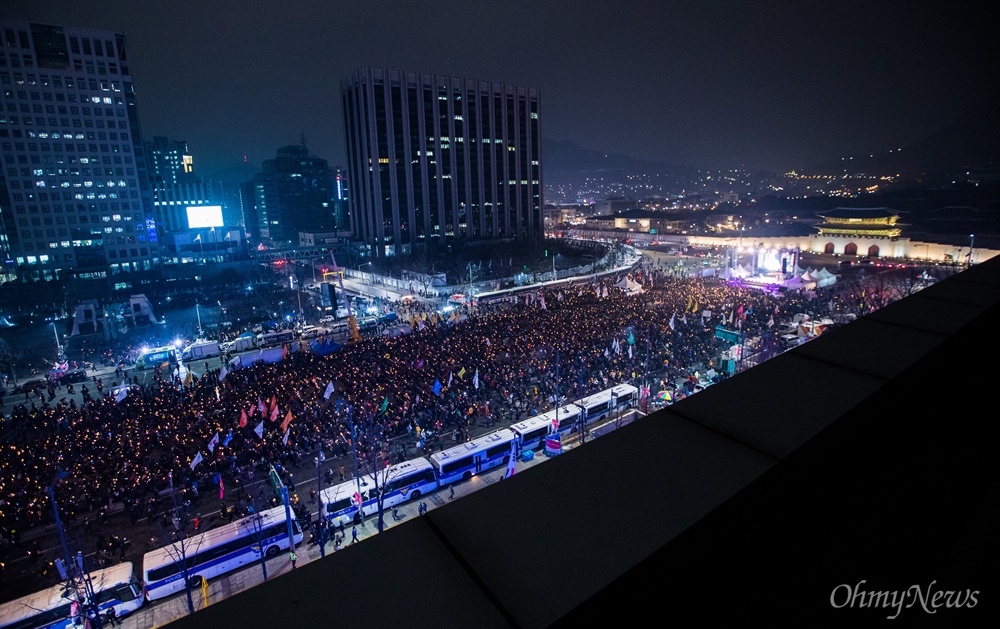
[74,197]
[436,159]
[292,193]
[169,162]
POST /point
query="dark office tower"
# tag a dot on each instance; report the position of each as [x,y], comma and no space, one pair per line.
[74,197]
[292,193]
[341,217]
[169,162]
[436,160]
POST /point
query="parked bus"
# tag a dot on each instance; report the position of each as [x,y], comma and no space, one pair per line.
[157,357]
[216,552]
[115,587]
[403,481]
[474,457]
[270,339]
[598,405]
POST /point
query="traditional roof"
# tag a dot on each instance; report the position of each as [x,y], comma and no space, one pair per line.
[859,212]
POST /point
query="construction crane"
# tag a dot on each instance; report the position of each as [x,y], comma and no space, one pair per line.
[353,335]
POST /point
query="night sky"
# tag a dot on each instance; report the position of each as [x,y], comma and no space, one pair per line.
[713,84]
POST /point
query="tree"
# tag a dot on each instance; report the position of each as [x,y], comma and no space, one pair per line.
[179,550]
[254,526]
[9,358]
[375,471]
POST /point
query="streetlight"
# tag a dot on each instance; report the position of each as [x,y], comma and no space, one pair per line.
[55,332]
[362,276]
[972,244]
[321,519]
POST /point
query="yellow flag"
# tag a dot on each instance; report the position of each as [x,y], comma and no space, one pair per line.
[461,372]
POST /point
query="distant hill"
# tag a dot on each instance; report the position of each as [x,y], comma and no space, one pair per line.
[562,158]
[971,141]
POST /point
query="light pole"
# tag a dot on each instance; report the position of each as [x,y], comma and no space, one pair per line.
[362,276]
[321,519]
[972,245]
[55,332]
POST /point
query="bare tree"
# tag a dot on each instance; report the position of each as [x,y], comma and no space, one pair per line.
[9,357]
[180,549]
[257,529]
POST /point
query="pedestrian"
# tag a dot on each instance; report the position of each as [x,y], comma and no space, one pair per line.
[451,493]
[112,617]
[354,534]
[341,473]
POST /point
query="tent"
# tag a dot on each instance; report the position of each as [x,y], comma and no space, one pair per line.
[795,283]
[630,287]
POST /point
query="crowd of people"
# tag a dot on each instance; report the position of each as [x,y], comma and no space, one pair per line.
[496,363]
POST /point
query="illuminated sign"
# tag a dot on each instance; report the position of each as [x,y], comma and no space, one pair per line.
[204,216]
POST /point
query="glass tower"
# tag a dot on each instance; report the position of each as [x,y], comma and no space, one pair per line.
[434,160]
[74,195]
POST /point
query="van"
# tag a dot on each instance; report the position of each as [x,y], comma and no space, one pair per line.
[201,349]
[310,332]
[240,344]
[791,340]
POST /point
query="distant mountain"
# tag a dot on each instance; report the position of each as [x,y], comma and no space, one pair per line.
[969,142]
[565,158]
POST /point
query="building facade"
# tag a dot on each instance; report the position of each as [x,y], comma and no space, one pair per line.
[292,193]
[74,194]
[435,160]
[168,161]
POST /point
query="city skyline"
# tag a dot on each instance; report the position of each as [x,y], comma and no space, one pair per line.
[770,86]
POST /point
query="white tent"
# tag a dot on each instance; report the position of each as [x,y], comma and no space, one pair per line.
[795,283]
[630,287]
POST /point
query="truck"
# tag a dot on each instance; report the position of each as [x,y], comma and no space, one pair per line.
[201,349]
[240,344]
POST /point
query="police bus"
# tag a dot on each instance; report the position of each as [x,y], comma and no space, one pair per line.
[464,460]
[618,397]
[216,552]
[165,356]
[531,432]
[404,481]
[60,606]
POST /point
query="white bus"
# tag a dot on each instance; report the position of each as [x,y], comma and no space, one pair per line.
[217,551]
[531,432]
[474,457]
[54,607]
[403,481]
[569,418]
[616,398]
[271,339]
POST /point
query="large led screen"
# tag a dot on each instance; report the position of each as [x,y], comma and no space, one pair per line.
[204,216]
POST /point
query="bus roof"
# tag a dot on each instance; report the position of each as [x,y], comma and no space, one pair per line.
[532,423]
[482,443]
[169,553]
[38,602]
[621,390]
[348,488]
[162,348]
[569,410]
